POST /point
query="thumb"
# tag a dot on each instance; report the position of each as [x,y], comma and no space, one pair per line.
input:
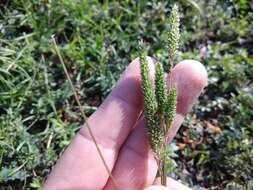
[156,187]
[171,184]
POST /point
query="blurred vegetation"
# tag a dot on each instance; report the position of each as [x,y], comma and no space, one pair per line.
[38,114]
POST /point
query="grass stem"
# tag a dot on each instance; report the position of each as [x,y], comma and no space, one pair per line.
[83,115]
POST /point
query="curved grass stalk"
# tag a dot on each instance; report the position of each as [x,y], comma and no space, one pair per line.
[84,116]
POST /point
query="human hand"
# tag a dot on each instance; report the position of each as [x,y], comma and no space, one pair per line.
[119,129]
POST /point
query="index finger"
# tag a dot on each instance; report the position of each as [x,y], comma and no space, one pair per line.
[111,124]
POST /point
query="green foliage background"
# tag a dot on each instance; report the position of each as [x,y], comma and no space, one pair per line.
[38,114]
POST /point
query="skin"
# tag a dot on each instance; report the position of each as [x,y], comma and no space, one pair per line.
[119,128]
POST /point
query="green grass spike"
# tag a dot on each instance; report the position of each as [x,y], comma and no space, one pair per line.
[155,134]
[161,89]
[150,106]
[171,107]
[173,34]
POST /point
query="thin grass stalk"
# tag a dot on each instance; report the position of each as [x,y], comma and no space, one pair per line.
[83,115]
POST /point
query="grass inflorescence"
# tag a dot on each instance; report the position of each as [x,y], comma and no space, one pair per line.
[159,103]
